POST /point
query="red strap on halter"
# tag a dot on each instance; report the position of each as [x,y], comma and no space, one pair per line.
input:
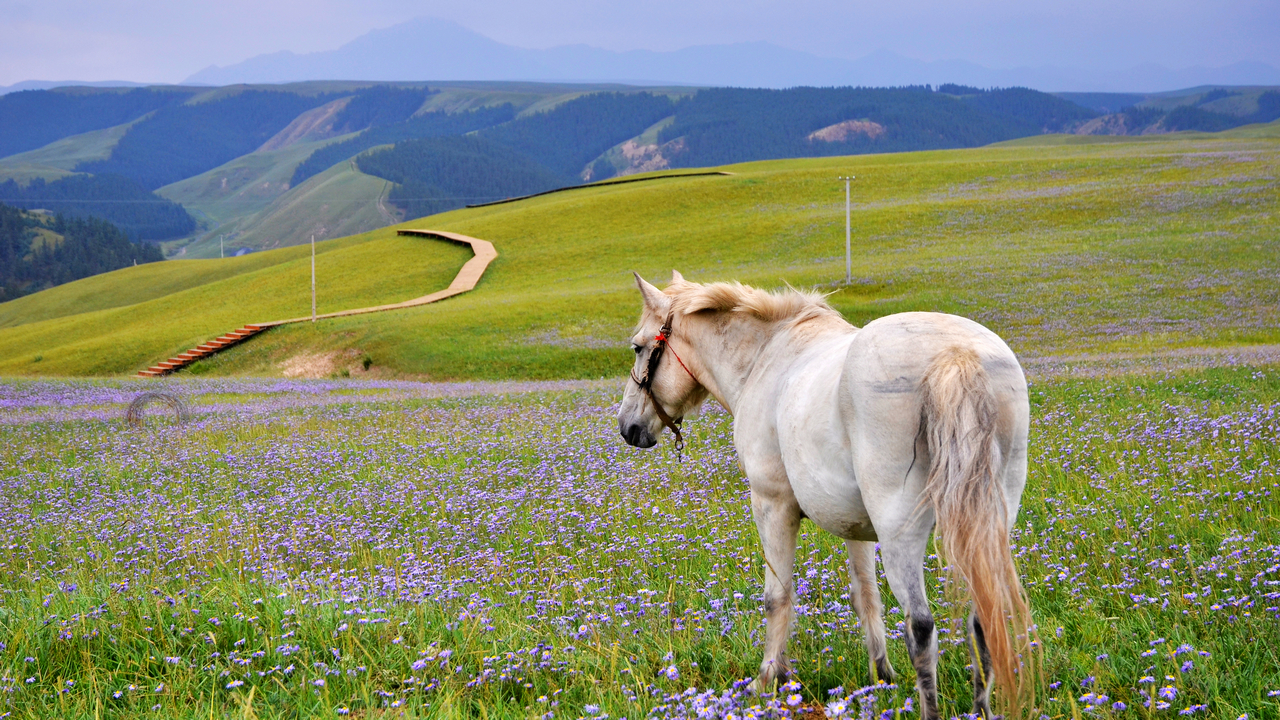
[660,337]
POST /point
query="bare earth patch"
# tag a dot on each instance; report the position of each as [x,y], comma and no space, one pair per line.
[639,158]
[323,364]
[315,124]
[846,131]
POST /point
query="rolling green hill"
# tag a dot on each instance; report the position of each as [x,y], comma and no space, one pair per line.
[59,158]
[338,202]
[1065,246]
[190,301]
[240,198]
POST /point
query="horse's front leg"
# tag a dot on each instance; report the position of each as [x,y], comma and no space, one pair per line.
[778,522]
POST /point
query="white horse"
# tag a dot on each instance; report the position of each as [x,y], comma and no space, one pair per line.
[873,434]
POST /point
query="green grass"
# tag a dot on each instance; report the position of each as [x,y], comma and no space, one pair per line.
[341,532]
[95,323]
[1142,245]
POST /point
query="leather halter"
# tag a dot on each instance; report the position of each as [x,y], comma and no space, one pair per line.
[661,342]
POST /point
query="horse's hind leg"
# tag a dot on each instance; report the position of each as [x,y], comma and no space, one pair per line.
[904,565]
[778,522]
[864,593]
[980,658]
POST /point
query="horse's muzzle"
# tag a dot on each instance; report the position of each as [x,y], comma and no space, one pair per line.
[637,435]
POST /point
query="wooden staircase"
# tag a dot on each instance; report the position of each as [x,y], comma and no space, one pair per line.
[204,350]
[465,281]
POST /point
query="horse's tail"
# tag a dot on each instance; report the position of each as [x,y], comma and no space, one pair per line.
[966,489]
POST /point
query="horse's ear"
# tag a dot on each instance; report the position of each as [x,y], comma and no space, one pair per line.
[676,277]
[653,297]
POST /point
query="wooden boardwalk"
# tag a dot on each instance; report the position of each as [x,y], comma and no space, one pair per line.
[464,281]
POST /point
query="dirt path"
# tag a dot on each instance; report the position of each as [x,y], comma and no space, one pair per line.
[1145,363]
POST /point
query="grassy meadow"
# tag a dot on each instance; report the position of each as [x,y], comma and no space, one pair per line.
[396,549]
[1068,247]
[487,549]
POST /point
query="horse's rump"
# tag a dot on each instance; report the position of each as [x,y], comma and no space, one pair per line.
[966,490]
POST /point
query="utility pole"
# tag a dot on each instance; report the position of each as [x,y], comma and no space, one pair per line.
[313,278]
[221,253]
[848,245]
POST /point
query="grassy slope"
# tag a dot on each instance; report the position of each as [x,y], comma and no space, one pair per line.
[139,284]
[1145,245]
[340,201]
[257,209]
[243,186]
[59,158]
[209,297]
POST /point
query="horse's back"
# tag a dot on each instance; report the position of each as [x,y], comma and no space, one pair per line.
[890,355]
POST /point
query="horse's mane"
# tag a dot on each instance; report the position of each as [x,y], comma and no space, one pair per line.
[790,304]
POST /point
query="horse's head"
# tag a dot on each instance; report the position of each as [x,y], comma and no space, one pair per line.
[662,388]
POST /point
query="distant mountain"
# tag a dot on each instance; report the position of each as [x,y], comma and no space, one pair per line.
[434,49]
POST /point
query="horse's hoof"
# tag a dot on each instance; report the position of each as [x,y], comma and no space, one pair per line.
[884,672]
[771,675]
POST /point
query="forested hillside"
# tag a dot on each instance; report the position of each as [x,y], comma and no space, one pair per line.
[568,138]
[379,105]
[427,125]
[34,118]
[140,213]
[437,174]
[1199,117]
[727,125]
[38,252]
[1211,110]
[713,127]
[1028,112]
[179,142]
[526,155]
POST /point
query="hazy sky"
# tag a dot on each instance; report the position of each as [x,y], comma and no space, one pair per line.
[167,40]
